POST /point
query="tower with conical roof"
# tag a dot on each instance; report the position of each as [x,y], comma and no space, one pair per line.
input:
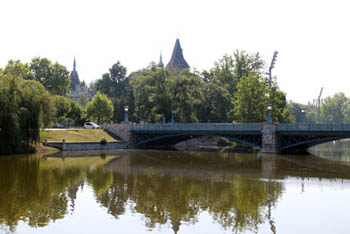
[160,64]
[76,88]
[177,60]
[74,78]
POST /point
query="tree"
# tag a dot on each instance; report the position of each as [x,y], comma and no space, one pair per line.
[54,77]
[75,113]
[100,108]
[16,68]
[250,101]
[116,86]
[22,111]
[186,96]
[158,91]
[229,70]
[334,109]
[63,107]
[113,83]
[296,110]
[217,104]
[279,113]
[152,94]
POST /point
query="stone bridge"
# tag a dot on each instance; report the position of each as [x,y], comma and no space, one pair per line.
[268,137]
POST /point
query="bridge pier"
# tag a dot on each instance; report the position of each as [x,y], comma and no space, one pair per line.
[122,131]
[269,139]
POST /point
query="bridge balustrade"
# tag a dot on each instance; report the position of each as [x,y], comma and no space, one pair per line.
[197,127]
[313,127]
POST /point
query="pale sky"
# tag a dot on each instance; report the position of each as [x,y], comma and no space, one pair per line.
[311,36]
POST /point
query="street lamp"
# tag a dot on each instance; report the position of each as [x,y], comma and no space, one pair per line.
[126,108]
[273,61]
[303,115]
[172,116]
[269,108]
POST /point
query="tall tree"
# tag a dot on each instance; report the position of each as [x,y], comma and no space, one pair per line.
[113,83]
[54,77]
[116,86]
[100,108]
[250,101]
[229,70]
[22,106]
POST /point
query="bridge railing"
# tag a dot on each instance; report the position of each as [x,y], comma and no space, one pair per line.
[313,127]
[197,127]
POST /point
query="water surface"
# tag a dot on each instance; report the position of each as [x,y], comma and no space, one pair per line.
[175,192]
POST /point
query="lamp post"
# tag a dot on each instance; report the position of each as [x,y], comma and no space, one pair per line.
[303,115]
[172,116]
[126,108]
[269,108]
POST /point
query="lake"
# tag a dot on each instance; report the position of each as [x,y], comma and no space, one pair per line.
[135,191]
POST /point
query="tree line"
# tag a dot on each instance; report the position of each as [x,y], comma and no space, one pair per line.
[34,95]
[234,90]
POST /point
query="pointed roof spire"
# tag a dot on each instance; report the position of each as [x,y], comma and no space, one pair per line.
[74,65]
[160,64]
[177,60]
[74,77]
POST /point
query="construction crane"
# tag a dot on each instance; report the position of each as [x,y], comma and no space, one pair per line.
[319,106]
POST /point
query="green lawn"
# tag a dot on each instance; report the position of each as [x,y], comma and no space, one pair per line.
[80,135]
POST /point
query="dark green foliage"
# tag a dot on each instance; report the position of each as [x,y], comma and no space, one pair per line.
[21,113]
[67,110]
[103,141]
[116,86]
[158,91]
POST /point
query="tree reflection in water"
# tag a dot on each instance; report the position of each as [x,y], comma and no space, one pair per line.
[38,191]
[238,191]
[177,187]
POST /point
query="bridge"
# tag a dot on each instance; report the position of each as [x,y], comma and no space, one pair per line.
[268,137]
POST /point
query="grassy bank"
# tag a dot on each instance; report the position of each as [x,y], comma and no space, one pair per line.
[77,135]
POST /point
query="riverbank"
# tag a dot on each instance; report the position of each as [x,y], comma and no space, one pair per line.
[72,135]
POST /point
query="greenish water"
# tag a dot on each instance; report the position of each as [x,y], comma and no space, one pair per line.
[176,192]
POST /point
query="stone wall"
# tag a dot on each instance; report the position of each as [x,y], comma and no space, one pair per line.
[120,130]
[80,146]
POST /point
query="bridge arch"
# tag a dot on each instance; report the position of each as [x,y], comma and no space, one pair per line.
[172,139]
[302,143]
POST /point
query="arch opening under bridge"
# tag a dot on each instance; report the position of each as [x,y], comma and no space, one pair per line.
[147,141]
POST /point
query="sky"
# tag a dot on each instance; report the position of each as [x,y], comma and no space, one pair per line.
[311,36]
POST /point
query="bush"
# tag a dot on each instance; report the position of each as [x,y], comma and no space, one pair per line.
[103,141]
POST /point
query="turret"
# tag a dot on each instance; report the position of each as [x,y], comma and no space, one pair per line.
[177,60]
[160,64]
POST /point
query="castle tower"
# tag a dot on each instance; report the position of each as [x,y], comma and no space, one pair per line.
[160,64]
[74,79]
[76,88]
[177,60]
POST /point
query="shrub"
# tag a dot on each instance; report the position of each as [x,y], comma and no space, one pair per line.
[103,141]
